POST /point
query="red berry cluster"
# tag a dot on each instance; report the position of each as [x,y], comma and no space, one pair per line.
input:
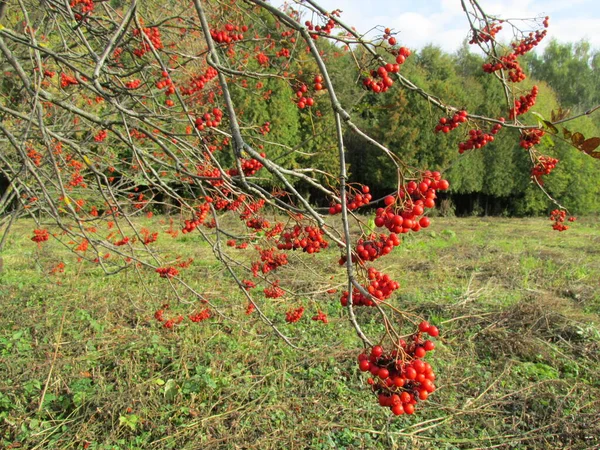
[524,103]
[199,317]
[321,316]
[249,284]
[84,7]
[486,34]
[122,242]
[478,139]
[148,237]
[303,101]
[309,239]
[100,136]
[326,29]
[447,124]
[403,53]
[249,167]
[374,248]
[531,137]
[294,315]
[208,120]
[318,83]
[353,201]
[201,214]
[530,41]
[40,236]
[230,33]
[269,260]
[274,291]
[197,83]
[559,216]
[510,63]
[380,81]
[416,197]
[67,80]
[265,128]
[167,272]
[545,165]
[159,315]
[381,287]
[258,223]
[546,22]
[153,35]
[133,84]
[401,378]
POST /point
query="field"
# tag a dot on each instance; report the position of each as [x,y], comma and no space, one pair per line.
[83,363]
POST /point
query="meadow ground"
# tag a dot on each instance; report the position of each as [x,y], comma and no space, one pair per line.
[83,364]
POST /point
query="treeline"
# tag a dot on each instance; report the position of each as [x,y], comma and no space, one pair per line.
[493,180]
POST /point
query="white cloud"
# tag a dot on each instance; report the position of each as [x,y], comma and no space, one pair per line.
[443,22]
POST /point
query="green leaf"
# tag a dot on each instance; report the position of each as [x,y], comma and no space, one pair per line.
[130,421]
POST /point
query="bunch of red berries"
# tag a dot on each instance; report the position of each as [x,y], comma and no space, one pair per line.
[478,138]
[197,83]
[208,120]
[309,239]
[199,317]
[167,272]
[559,216]
[230,33]
[153,35]
[447,124]
[274,291]
[321,316]
[415,197]
[381,287]
[544,166]
[40,236]
[374,247]
[270,260]
[133,84]
[353,201]
[524,103]
[486,34]
[531,137]
[530,41]
[67,80]
[294,315]
[401,378]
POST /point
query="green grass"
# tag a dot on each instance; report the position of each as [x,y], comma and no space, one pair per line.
[82,361]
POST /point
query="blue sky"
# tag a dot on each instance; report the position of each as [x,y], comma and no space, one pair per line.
[442,22]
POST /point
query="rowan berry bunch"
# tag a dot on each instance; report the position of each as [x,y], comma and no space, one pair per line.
[40,236]
[400,377]
[294,315]
[558,216]
[531,137]
[404,212]
[486,34]
[524,103]
[380,288]
[447,124]
[545,165]
[354,200]
[309,239]
[167,272]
